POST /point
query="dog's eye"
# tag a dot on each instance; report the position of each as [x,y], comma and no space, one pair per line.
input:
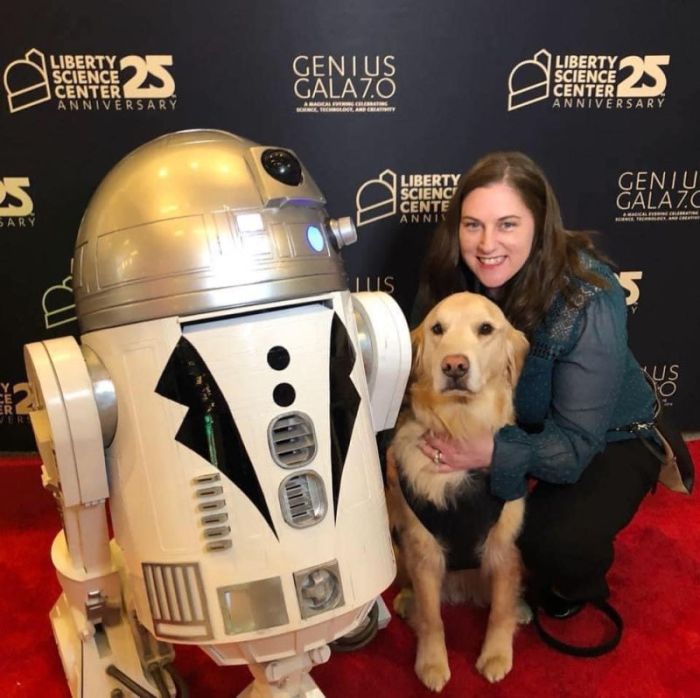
[437,328]
[485,328]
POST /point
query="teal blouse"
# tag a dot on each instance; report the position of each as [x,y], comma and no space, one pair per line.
[580,384]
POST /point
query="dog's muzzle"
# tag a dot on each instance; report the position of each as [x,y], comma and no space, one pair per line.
[455,368]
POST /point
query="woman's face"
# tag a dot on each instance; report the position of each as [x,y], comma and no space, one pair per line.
[496,231]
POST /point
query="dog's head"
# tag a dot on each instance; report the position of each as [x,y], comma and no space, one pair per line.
[464,344]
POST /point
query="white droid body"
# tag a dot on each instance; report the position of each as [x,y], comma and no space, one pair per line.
[236,387]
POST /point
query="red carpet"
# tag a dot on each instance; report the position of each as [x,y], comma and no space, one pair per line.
[655,585]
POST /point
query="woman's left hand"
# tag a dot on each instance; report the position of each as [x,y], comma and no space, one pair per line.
[450,455]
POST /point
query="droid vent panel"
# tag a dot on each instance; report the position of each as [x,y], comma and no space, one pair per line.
[292,440]
[215,522]
[303,499]
[177,600]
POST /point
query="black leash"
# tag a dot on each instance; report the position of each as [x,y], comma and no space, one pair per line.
[577,650]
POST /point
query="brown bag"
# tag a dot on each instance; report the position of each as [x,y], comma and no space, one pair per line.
[677,468]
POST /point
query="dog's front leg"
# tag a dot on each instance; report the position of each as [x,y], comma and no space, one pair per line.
[496,658]
[502,561]
[431,665]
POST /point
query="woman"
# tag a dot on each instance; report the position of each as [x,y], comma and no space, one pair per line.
[582,401]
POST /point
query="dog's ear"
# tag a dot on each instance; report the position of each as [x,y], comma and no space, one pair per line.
[517,348]
[417,337]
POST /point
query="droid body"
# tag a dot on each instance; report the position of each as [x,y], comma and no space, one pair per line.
[224,398]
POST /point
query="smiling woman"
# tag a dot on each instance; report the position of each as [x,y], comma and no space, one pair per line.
[495,235]
[505,196]
[584,411]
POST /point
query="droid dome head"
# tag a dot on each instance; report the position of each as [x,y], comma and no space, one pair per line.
[200,221]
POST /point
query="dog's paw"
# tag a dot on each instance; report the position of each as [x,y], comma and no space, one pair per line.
[434,674]
[523,612]
[403,603]
[493,667]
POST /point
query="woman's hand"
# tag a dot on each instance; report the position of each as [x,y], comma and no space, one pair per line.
[450,455]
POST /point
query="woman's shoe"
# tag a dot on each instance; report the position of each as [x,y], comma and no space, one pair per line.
[557,606]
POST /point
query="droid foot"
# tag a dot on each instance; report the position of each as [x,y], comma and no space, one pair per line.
[106,660]
[287,678]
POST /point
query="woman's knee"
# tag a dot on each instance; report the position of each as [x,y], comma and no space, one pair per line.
[558,552]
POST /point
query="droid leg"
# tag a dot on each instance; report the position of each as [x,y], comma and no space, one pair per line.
[287,678]
[103,648]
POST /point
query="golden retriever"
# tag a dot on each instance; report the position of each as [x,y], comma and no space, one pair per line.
[467,359]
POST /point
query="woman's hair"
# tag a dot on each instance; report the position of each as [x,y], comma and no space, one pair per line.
[554,262]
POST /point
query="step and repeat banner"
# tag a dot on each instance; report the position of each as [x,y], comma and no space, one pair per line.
[386,104]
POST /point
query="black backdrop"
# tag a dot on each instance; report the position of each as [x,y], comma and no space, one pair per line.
[385,103]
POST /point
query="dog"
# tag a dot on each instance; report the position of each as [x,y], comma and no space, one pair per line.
[466,362]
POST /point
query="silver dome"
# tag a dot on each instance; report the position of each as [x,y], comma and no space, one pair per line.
[198,221]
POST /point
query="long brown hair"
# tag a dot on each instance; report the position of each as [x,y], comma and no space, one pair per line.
[554,262]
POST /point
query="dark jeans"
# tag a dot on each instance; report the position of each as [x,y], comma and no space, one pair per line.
[567,539]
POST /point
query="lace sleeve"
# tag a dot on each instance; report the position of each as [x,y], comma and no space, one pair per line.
[585,388]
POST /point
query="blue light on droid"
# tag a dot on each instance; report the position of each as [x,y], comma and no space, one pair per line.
[315,238]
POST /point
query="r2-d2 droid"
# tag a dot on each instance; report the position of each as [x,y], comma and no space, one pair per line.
[224,398]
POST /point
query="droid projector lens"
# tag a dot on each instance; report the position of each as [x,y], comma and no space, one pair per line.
[319,590]
[282,166]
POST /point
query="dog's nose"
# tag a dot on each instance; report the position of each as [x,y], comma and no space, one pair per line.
[455,365]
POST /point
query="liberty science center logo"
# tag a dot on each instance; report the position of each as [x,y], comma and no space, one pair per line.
[412,198]
[585,81]
[90,82]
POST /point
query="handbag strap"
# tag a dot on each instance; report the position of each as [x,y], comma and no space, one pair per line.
[578,650]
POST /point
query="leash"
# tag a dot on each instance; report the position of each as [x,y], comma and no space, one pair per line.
[577,650]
